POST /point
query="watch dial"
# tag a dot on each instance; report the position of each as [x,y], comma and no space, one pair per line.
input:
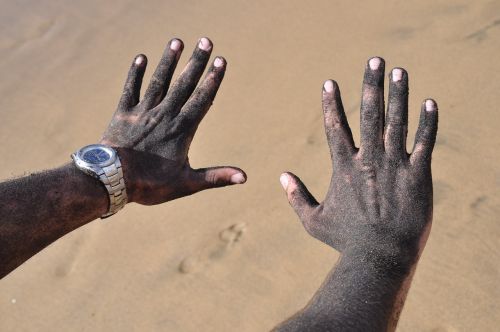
[96,156]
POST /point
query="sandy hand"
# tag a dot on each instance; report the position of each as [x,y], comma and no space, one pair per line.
[380,197]
[152,136]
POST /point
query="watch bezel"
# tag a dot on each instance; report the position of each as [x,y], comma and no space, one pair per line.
[112,153]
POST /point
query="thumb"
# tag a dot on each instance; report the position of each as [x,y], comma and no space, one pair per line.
[299,197]
[215,177]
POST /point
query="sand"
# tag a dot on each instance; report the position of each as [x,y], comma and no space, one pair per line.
[237,259]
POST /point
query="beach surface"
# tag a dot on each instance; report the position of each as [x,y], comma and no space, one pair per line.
[238,259]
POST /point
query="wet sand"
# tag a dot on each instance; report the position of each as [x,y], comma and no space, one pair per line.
[237,259]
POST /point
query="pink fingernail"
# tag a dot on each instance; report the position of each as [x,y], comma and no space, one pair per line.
[284,180]
[139,60]
[430,105]
[218,62]
[328,86]
[374,63]
[205,44]
[238,178]
[175,45]
[397,75]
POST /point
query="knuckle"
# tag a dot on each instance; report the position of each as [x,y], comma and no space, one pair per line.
[211,178]
[369,172]
[177,126]
[185,119]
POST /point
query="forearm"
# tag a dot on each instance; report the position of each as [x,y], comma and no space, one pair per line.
[38,209]
[361,293]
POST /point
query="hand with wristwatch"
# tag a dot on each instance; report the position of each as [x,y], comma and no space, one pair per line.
[142,157]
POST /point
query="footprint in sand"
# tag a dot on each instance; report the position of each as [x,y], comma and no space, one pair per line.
[233,233]
[188,265]
[227,239]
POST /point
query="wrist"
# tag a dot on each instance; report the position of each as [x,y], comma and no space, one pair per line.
[103,163]
[388,248]
[128,169]
[382,259]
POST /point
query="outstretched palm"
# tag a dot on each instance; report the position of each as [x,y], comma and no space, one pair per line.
[380,197]
[153,135]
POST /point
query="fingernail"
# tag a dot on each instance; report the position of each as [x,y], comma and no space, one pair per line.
[284,180]
[139,60]
[397,75]
[374,63]
[205,44]
[238,178]
[430,105]
[175,45]
[328,86]
[218,62]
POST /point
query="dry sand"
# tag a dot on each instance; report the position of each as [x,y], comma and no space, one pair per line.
[167,268]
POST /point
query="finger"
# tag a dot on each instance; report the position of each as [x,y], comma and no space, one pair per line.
[162,76]
[396,126]
[200,101]
[301,200]
[132,88]
[336,126]
[185,84]
[426,133]
[214,177]
[372,109]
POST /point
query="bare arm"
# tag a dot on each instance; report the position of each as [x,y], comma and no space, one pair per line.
[38,209]
[377,212]
[152,138]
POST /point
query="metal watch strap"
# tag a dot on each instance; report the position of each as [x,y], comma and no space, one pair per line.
[112,178]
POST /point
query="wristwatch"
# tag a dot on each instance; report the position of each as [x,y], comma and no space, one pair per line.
[102,162]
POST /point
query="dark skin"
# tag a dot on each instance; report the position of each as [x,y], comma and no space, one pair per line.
[377,212]
[152,138]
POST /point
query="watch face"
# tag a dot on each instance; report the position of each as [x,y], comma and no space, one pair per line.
[96,156]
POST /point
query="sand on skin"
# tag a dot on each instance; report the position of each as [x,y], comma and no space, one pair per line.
[182,266]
